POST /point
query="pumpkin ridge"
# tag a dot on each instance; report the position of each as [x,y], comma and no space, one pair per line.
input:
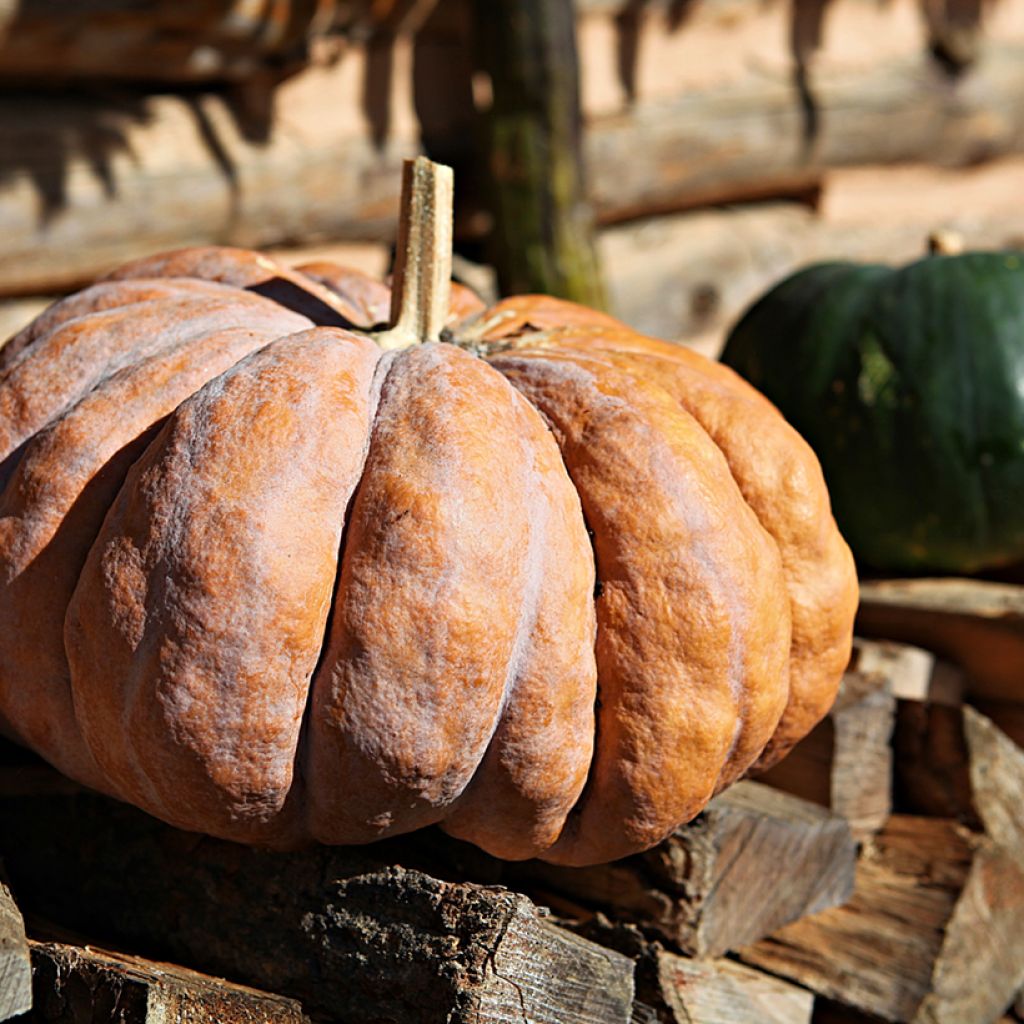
[193,706]
[45,384]
[744,741]
[383,368]
[98,298]
[539,754]
[808,699]
[638,780]
[70,473]
[430,594]
[818,651]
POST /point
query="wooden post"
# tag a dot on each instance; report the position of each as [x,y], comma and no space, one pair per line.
[543,236]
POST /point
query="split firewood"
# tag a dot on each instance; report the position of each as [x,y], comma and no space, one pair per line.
[15,968]
[73,983]
[723,992]
[845,763]
[935,929]
[694,889]
[950,760]
[354,933]
[673,989]
[975,624]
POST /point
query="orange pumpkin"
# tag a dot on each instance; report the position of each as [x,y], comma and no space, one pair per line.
[549,582]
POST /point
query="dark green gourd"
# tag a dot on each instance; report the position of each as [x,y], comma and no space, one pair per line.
[909,385]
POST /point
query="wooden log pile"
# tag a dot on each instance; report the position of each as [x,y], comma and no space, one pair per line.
[423,928]
[836,889]
[934,931]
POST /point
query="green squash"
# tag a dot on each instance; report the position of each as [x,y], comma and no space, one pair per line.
[909,384]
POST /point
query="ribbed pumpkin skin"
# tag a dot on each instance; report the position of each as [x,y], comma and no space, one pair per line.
[909,385]
[551,587]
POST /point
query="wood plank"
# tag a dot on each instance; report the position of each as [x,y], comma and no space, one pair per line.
[353,933]
[73,983]
[694,888]
[15,966]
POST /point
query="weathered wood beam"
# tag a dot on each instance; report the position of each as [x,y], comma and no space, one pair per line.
[88,181]
[15,967]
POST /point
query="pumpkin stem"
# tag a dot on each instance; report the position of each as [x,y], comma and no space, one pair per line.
[421,281]
[945,242]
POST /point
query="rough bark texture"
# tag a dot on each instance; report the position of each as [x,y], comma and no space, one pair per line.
[695,889]
[15,968]
[347,931]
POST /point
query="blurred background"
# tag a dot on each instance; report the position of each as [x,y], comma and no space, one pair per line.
[723,142]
